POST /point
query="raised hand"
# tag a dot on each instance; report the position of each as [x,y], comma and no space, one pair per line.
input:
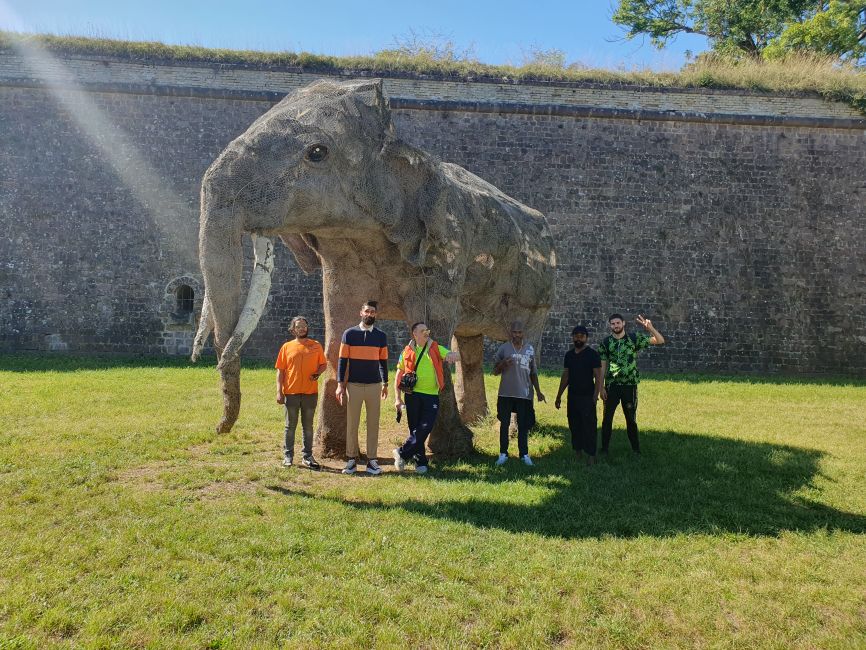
[645,322]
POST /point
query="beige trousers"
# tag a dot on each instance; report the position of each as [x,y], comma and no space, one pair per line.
[357,394]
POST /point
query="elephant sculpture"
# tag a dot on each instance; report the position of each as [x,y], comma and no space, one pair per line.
[325,172]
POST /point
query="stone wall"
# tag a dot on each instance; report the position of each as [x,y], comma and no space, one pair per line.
[735,220]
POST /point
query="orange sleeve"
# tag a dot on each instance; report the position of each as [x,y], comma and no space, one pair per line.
[281,359]
[383,354]
[321,358]
[345,350]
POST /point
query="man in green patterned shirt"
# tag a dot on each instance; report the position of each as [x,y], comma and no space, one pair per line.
[619,365]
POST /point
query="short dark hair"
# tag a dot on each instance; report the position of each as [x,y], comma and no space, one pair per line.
[371,303]
[414,325]
[615,315]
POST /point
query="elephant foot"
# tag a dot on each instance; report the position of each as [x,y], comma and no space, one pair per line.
[452,441]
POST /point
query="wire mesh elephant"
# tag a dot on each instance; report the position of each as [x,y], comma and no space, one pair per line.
[324,171]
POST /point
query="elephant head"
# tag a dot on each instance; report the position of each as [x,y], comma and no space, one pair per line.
[322,162]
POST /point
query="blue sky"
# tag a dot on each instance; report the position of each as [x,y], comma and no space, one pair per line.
[496,32]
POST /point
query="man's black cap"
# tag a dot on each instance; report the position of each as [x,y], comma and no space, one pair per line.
[579,329]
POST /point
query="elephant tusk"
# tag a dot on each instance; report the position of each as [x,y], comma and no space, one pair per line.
[260,287]
[205,327]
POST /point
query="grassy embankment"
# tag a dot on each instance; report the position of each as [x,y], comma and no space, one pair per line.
[127,523]
[798,73]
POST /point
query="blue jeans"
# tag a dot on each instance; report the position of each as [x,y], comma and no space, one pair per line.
[421,412]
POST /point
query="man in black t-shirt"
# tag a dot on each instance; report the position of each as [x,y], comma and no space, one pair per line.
[582,375]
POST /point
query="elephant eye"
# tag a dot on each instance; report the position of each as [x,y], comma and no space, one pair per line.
[317,153]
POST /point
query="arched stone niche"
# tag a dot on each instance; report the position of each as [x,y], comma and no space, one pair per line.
[179,313]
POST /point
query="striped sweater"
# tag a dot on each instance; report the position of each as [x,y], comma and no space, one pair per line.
[363,356]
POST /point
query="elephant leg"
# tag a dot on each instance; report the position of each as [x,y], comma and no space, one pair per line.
[343,291]
[340,312]
[469,380]
[450,436]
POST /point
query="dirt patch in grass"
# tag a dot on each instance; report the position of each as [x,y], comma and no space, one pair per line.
[146,478]
[223,489]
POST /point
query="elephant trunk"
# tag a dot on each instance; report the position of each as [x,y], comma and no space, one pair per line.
[221,256]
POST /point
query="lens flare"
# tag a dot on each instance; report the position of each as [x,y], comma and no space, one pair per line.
[166,209]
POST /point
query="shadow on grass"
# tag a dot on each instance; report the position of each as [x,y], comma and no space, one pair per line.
[683,483]
[744,378]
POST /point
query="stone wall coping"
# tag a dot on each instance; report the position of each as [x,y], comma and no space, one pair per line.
[539,109]
[564,110]
[350,73]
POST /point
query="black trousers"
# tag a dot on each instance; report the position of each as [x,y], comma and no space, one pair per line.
[421,412]
[627,396]
[583,423]
[505,406]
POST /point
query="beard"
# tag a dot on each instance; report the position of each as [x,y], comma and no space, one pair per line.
[579,344]
[301,336]
[368,320]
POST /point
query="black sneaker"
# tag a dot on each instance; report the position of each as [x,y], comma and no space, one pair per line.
[310,462]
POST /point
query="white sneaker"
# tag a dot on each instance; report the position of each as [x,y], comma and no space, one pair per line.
[502,458]
[527,460]
[399,463]
[351,466]
[373,467]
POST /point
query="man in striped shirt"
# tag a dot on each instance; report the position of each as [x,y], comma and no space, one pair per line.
[362,378]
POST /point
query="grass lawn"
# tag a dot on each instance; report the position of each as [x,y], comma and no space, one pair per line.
[127,523]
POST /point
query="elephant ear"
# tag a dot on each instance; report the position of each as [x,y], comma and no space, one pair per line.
[404,189]
[369,96]
[414,210]
[365,120]
[303,247]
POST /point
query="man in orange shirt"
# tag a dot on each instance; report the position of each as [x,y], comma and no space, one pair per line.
[299,364]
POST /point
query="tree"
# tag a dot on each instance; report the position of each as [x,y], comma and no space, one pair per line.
[837,28]
[744,26]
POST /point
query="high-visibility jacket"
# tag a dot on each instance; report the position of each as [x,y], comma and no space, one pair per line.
[435,358]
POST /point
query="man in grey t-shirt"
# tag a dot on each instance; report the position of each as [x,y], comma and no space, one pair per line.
[515,363]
